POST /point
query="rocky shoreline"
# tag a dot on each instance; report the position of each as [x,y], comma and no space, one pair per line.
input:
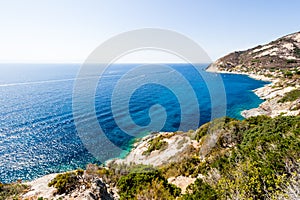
[271,93]
[271,106]
[277,62]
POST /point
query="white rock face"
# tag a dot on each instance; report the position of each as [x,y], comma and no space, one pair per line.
[39,187]
[268,92]
[273,51]
[262,48]
[288,46]
[176,144]
[182,182]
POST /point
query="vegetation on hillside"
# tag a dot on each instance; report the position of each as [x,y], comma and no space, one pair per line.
[263,160]
[156,143]
[200,191]
[150,185]
[12,190]
[290,96]
[255,158]
[66,182]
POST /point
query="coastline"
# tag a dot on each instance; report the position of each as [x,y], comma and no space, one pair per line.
[253,76]
[179,143]
[271,93]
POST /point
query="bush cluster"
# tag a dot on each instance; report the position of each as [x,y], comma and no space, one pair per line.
[200,190]
[290,96]
[149,185]
[12,190]
[66,182]
[156,143]
[256,167]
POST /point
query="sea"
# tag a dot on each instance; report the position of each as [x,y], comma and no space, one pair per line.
[38,127]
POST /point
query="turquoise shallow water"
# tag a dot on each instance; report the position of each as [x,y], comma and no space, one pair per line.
[37,131]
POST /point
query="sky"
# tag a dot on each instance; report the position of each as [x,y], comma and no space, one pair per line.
[69,30]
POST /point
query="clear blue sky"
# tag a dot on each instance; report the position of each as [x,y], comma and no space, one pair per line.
[68,30]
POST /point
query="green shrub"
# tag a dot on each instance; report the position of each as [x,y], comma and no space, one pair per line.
[156,143]
[12,191]
[291,61]
[251,157]
[290,96]
[200,191]
[288,74]
[297,51]
[140,185]
[255,61]
[65,182]
[186,167]
[202,131]
[255,167]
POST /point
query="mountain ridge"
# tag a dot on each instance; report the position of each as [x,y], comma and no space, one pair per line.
[282,53]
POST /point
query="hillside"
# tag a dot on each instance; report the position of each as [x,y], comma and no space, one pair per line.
[281,54]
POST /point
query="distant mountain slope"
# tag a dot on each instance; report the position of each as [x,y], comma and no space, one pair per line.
[282,53]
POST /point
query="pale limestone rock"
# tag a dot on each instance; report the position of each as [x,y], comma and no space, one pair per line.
[182,182]
[177,144]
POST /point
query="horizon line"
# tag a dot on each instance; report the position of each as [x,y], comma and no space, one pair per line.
[55,62]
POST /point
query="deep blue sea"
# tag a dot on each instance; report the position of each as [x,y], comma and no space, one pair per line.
[37,131]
